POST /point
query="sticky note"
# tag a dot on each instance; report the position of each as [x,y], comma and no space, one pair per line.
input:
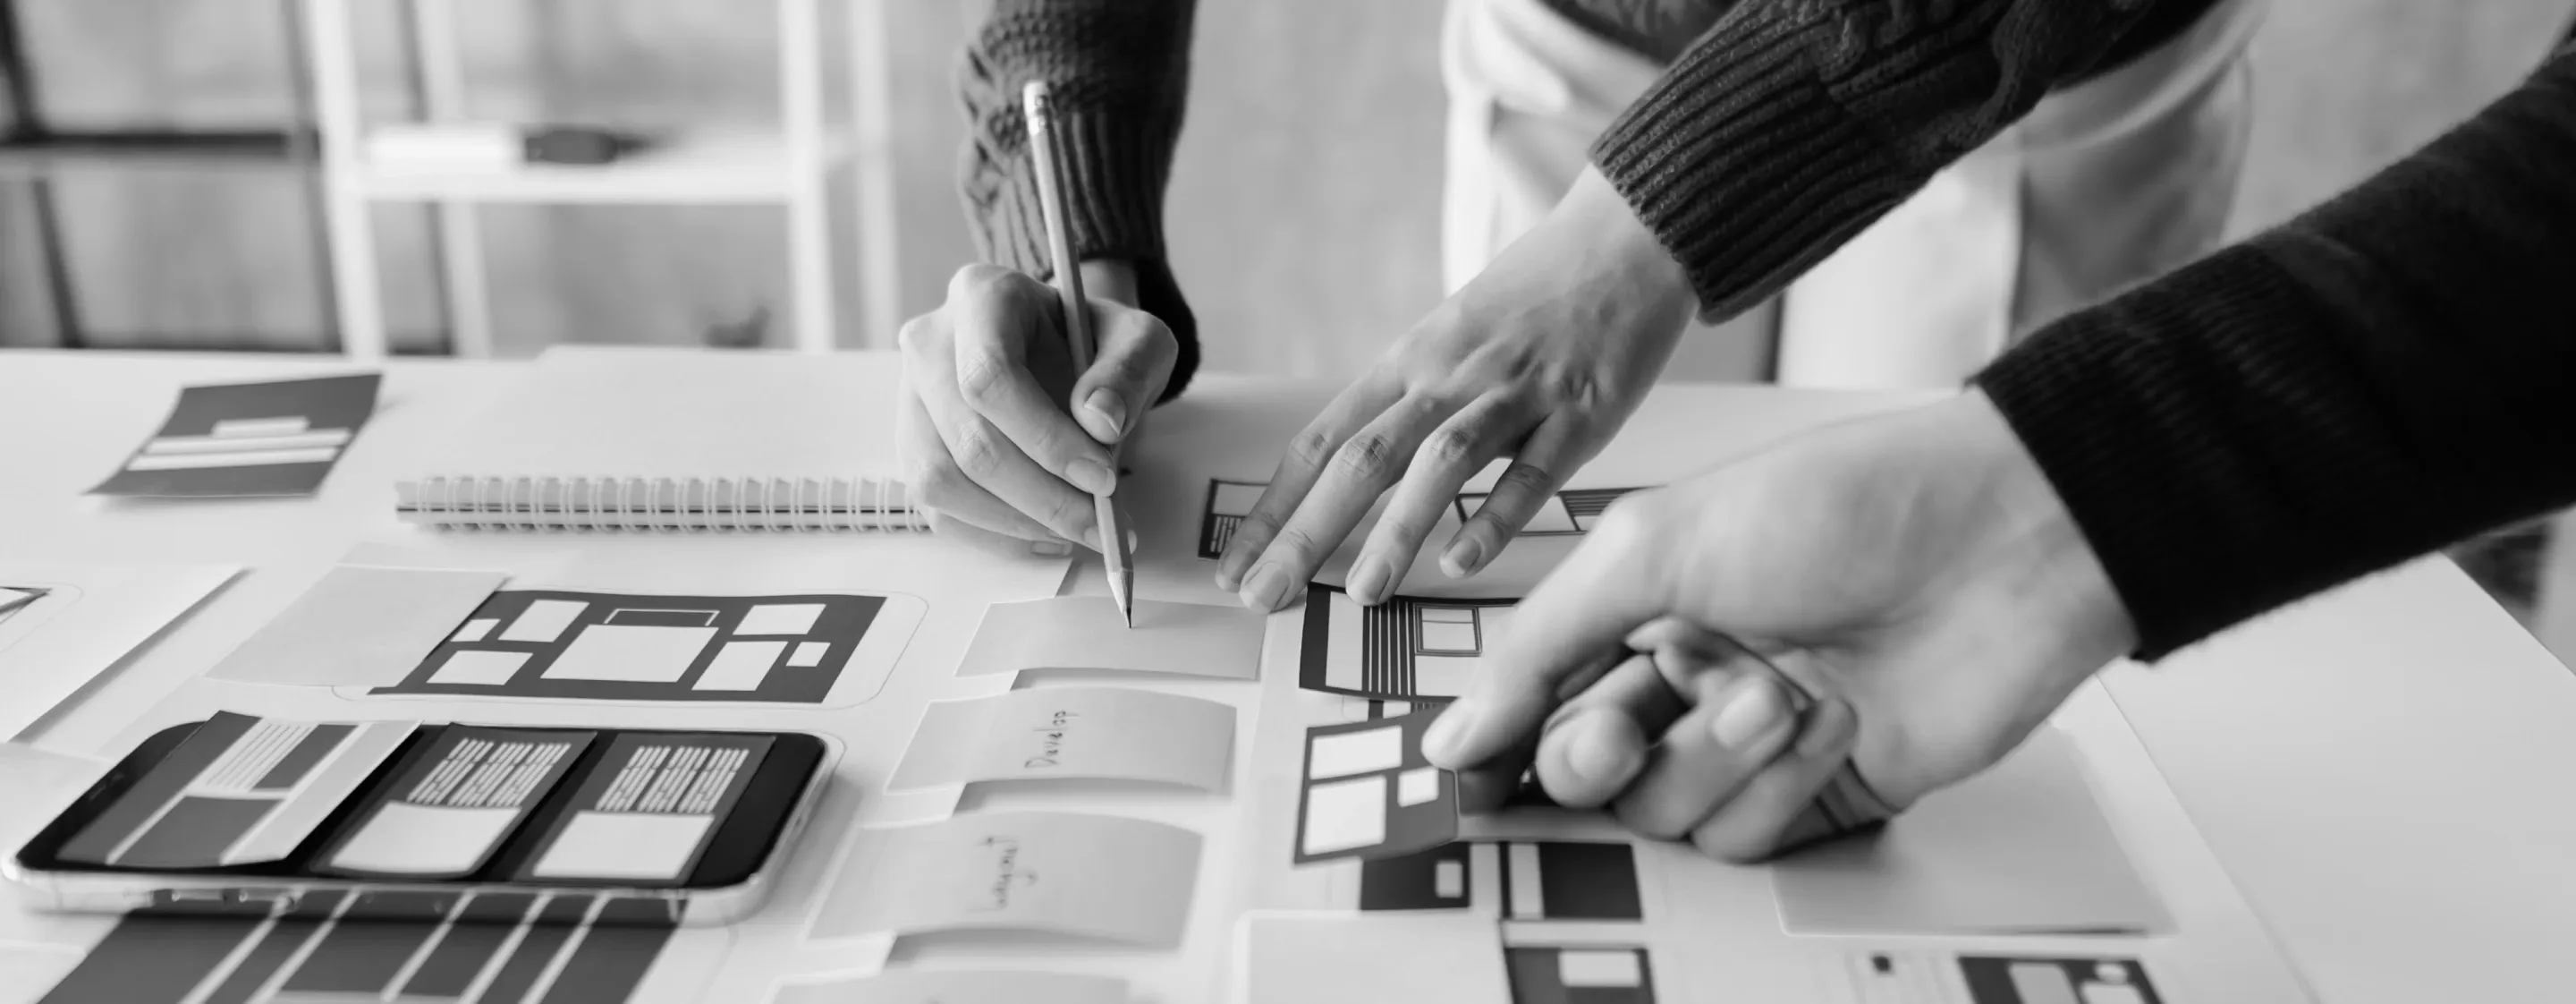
[1085,632]
[1105,877]
[1112,733]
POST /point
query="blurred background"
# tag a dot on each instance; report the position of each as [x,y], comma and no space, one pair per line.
[160,185]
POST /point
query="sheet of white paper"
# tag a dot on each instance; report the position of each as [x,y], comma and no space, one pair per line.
[86,619]
[1085,632]
[2021,849]
[1126,880]
[36,785]
[1071,732]
[360,625]
[1433,958]
[959,987]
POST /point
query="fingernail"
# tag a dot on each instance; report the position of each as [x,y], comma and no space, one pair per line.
[1826,729]
[1368,581]
[1750,715]
[1111,407]
[1091,476]
[1050,549]
[1598,753]
[1267,586]
[1462,558]
[1131,541]
[1440,741]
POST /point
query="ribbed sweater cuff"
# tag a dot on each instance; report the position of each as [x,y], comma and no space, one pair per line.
[1744,166]
[1115,172]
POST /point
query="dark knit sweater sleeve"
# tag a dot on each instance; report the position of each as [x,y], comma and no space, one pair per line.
[2390,372]
[1792,125]
[1120,73]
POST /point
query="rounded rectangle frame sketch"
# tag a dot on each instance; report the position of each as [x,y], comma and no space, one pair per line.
[813,649]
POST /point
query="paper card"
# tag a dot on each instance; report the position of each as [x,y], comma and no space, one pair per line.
[278,438]
[1371,959]
[358,625]
[1405,649]
[78,620]
[1914,977]
[1366,791]
[959,987]
[239,790]
[1085,632]
[584,646]
[1048,733]
[645,813]
[36,785]
[2021,849]
[455,801]
[1106,877]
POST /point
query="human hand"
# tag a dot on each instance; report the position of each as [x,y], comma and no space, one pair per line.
[1541,357]
[990,448]
[1915,571]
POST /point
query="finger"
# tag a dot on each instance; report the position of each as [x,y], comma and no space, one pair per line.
[998,314]
[1364,468]
[1307,455]
[1600,740]
[1501,778]
[990,461]
[1753,824]
[951,528]
[1707,756]
[932,477]
[1536,472]
[1613,582]
[1449,456]
[1137,352]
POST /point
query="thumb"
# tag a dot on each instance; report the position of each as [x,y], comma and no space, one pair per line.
[1575,620]
[1135,360]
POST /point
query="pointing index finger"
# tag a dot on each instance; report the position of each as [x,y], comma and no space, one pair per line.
[1579,615]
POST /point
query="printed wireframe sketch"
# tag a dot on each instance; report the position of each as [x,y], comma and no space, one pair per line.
[1585,975]
[1569,513]
[1405,649]
[1367,791]
[1536,880]
[1999,979]
[277,438]
[1228,502]
[798,649]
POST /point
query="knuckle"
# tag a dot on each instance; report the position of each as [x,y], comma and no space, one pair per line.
[1065,516]
[916,335]
[1368,456]
[1312,447]
[980,279]
[1451,445]
[980,376]
[1570,388]
[1525,477]
[935,481]
[975,454]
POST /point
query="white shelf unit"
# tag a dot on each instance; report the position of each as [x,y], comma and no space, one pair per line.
[789,166]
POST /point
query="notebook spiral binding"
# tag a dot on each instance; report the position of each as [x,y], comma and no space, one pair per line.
[660,505]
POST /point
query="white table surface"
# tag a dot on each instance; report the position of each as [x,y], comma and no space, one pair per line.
[2388,772]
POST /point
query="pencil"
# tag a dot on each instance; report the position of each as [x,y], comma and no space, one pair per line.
[1038,107]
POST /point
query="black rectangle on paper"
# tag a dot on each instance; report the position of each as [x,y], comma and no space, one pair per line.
[194,833]
[308,752]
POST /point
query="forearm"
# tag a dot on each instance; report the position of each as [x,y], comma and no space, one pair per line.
[1120,73]
[2386,374]
[1790,127]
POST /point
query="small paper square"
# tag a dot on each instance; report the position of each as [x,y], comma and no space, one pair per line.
[1342,815]
[780,619]
[1331,756]
[478,668]
[1416,786]
[475,630]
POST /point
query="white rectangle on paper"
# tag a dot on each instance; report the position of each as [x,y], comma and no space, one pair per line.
[1065,733]
[1341,815]
[1416,786]
[623,845]
[247,444]
[1448,880]
[283,425]
[1443,675]
[474,630]
[1551,518]
[544,620]
[319,792]
[1343,660]
[361,625]
[630,652]
[402,838]
[1520,869]
[1347,753]
[741,665]
[1127,880]
[2041,983]
[780,618]
[1234,499]
[476,668]
[233,458]
[1448,637]
[1577,967]
[809,654]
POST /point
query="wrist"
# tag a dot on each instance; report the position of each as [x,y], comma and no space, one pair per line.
[1612,242]
[2033,532]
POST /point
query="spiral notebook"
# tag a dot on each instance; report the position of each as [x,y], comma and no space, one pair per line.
[648,439]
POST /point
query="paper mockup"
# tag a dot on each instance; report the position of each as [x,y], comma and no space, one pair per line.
[238,790]
[646,812]
[72,622]
[1112,733]
[2021,849]
[1085,632]
[542,643]
[1107,877]
[278,438]
[454,803]
[1405,649]
[36,785]
[1290,958]
[358,625]
[958,987]
[1917,977]
[1367,791]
